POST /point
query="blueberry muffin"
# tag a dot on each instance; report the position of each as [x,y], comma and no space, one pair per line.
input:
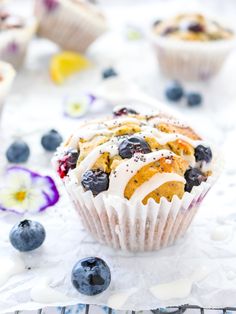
[191,46]
[192,27]
[136,180]
[72,24]
[16,33]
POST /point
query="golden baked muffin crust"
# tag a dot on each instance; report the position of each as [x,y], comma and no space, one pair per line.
[192,27]
[136,157]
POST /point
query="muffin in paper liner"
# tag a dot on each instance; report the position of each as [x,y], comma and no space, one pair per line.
[191,60]
[14,41]
[191,46]
[7,75]
[72,24]
[115,222]
[141,201]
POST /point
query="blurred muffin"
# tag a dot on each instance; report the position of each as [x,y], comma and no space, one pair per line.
[7,74]
[191,46]
[136,180]
[16,33]
[72,24]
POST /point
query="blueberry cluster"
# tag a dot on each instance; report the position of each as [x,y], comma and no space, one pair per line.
[194,176]
[97,181]
[191,26]
[19,150]
[175,92]
[124,111]
[68,161]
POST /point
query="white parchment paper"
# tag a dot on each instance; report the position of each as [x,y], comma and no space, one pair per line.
[35,105]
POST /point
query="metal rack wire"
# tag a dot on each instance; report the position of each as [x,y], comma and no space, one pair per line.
[168,310]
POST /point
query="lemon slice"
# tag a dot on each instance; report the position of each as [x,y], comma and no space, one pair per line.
[65,64]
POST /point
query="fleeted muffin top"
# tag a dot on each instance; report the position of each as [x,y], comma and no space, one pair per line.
[134,156]
[192,27]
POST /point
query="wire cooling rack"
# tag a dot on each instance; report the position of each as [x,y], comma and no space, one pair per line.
[168,310]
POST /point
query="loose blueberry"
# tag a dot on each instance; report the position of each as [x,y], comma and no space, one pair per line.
[193,177]
[195,27]
[18,152]
[27,235]
[174,92]
[131,145]
[123,111]
[203,153]
[67,162]
[95,181]
[91,276]
[109,73]
[169,30]
[157,22]
[194,99]
[51,140]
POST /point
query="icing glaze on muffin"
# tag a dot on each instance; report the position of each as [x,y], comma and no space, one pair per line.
[9,21]
[136,157]
[192,27]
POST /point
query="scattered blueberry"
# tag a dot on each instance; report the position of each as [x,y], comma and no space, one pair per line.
[18,152]
[193,177]
[131,145]
[203,153]
[109,73]
[194,99]
[124,111]
[67,162]
[195,27]
[51,140]
[95,181]
[27,235]
[174,92]
[157,22]
[169,30]
[91,276]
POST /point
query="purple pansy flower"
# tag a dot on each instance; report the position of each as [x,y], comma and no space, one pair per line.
[26,191]
[76,106]
[51,5]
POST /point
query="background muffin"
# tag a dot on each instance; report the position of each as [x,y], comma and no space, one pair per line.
[72,24]
[16,33]
[191,46]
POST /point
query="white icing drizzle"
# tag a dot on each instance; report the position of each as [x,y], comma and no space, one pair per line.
[43,293]
[87,134]
[127,169]
[109,147]
[164,138]
[121,121]
[117,300]
[179,289]
[153,183]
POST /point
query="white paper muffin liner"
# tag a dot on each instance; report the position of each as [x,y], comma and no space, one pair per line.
[8,74]
[14,43]
[117,223]
[184,60]
[71,29]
